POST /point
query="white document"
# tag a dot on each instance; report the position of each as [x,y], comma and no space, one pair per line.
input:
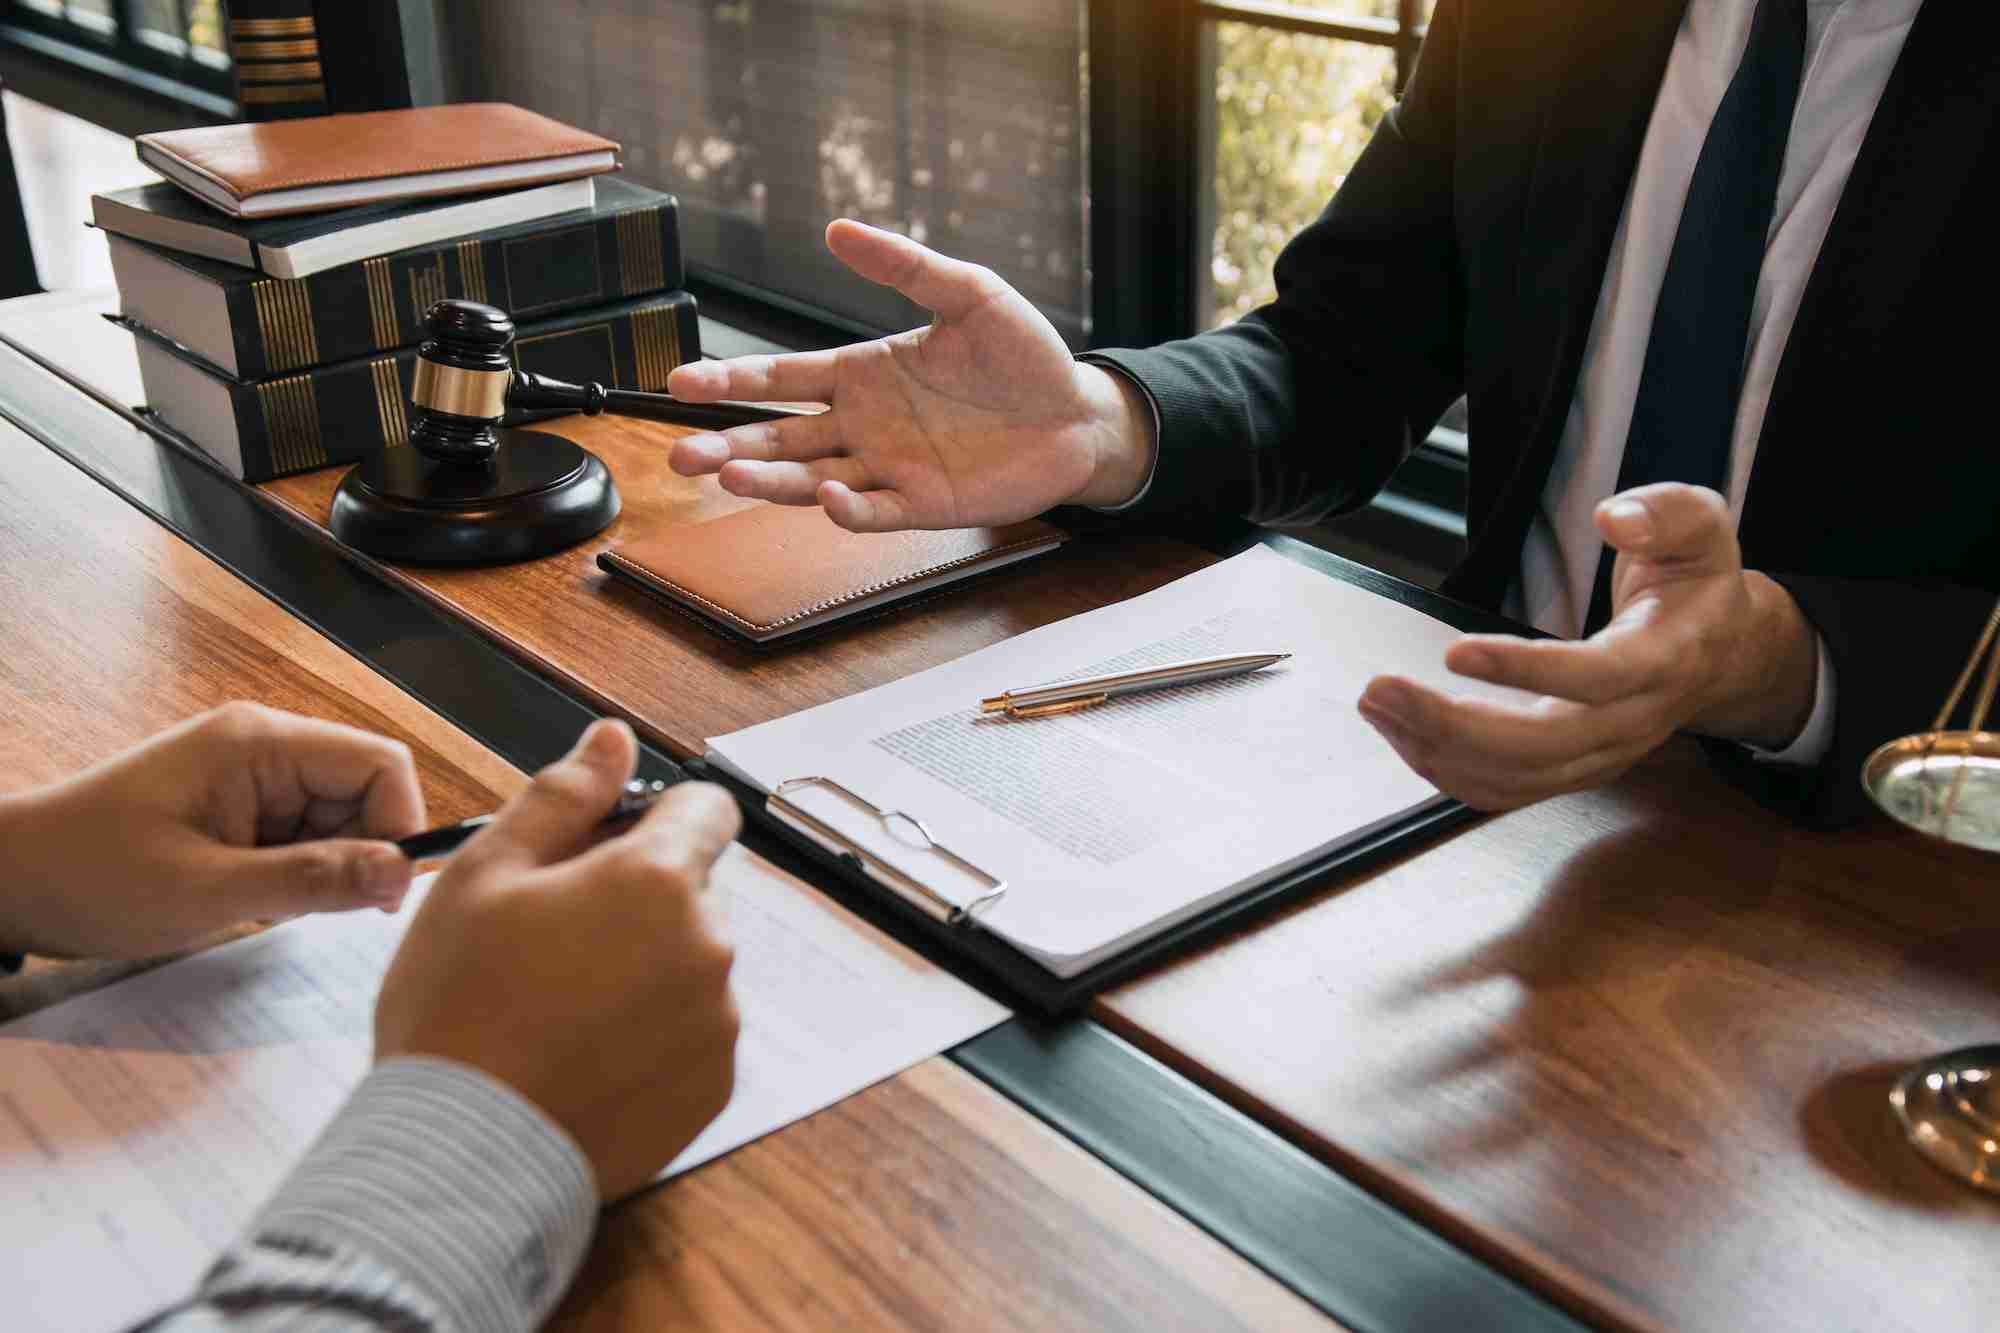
[1117,822]
[143,1125]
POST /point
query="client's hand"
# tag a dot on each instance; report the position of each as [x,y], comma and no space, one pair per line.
[242,812]
[1695,642]
[980,418]
[590,978]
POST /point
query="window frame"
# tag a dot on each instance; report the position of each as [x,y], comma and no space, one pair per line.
[63,58]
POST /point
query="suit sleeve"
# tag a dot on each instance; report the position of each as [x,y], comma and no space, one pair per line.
[438,1200]
[1894,647]
[1305,407]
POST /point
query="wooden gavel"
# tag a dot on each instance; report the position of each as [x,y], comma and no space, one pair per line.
[466,382]
[470,491]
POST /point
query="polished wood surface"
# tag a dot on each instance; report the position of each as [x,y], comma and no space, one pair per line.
[680,683]
[1634,1045]
[115,628]
[1631,1046]
[926,1202]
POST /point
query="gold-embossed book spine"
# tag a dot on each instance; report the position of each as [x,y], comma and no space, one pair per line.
[281,325]
[275,54]
[329,414]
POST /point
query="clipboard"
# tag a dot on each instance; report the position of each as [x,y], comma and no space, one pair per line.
[948,929]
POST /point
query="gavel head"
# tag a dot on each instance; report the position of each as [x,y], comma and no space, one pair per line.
[463,372]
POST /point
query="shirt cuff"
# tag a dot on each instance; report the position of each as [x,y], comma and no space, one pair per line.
[1812,743]
[1153,406]
[437,1191]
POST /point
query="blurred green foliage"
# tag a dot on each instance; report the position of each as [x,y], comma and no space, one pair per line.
[1293,112]
[204,20]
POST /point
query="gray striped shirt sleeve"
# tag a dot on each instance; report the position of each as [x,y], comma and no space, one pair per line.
[438,1199]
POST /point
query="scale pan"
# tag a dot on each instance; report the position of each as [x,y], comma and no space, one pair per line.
[1944,783]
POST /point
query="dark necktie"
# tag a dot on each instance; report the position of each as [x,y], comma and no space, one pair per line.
[1685,411]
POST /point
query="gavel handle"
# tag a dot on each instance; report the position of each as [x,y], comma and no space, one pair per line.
[531,391]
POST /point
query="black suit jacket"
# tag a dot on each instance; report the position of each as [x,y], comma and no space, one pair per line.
[1465,254]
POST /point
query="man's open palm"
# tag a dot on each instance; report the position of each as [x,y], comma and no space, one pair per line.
[980,418]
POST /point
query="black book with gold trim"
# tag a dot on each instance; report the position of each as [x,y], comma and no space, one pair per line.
[260,429]
[275,53]
[251,326]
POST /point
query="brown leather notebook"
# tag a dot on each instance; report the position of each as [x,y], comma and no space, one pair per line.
[370,157]
[774,571]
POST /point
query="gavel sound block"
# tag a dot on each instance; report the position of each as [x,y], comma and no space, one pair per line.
[470,491]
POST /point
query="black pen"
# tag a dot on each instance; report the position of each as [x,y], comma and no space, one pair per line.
[636,799]
[723,414]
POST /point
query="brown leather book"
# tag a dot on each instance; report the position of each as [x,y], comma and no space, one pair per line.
[774,571]
[372,157]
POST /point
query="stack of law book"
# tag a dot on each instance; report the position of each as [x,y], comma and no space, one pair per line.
[277,334]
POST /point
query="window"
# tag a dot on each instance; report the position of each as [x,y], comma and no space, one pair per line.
[1133,166]
[968,124]
[178,40]
[959,122]
[1291,91]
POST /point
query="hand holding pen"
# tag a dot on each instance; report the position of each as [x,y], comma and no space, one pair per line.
[593,980]
[635,799]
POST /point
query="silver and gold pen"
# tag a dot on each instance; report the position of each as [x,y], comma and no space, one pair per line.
[1071,696]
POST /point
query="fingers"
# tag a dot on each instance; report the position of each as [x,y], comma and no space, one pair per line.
[699,816]
[1497,756]
[680,837]
[1597,670]
[331,875]
[803,377]
[1539,733]
[948,288]
[791,440]
[1485,785]
[1687,527]
[563,805]
[653,876]
[864,511]
[295,763]
[790,483]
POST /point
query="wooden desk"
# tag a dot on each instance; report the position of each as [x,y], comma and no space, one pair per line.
[1634,1045]
[929,1201]
[1631,1045]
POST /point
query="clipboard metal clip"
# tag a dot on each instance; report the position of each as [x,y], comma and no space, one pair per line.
[900,825]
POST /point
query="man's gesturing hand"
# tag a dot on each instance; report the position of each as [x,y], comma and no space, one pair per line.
[594,980]
[1695,642]
[980,418]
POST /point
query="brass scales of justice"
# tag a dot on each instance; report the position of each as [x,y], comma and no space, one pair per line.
[1946,784]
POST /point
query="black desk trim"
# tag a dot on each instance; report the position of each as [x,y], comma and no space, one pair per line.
[1348,1252]
[1369,1266]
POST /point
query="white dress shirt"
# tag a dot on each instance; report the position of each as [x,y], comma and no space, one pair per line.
[1851,49]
